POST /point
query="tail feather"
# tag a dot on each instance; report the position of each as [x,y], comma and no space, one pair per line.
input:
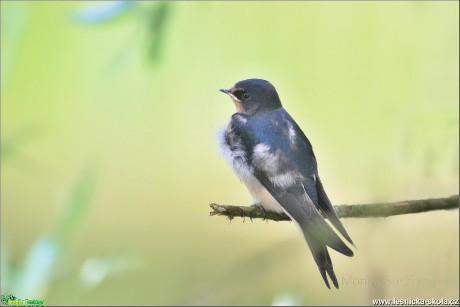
[322,259]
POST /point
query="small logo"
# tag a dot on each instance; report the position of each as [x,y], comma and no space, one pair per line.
[11,300]
[4,298]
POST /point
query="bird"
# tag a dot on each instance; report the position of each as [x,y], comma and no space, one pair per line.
[274,159]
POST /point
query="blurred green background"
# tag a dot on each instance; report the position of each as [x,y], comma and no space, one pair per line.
[109,119]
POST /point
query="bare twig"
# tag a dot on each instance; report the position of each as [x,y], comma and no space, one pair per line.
[367,210]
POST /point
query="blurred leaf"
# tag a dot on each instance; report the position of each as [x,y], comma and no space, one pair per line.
[93,271]
[157,25]
[96,269]
[103,12]
[290,298]
[34,277]
[12,143]
[77,206]
[155,15]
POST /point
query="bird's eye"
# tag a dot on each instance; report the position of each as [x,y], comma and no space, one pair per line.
[241,94]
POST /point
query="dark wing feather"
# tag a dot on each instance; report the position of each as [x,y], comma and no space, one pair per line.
[327,208]
[316,231]
[300,208]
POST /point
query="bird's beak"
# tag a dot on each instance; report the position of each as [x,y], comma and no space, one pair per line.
[234,99]
[225,90]
[229,93]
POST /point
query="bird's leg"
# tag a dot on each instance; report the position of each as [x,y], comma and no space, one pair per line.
[242,214]
[261,208]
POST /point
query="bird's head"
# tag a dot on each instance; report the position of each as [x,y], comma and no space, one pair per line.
[253,96]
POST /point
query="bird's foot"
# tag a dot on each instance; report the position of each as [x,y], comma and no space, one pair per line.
[242,214]
[262,209]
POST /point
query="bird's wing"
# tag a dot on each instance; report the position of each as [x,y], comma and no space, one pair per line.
[299,206]
[302,156]
[326,207]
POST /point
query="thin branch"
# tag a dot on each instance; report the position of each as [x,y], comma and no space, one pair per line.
[367,210]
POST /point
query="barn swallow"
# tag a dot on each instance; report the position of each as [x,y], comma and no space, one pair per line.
[274,159]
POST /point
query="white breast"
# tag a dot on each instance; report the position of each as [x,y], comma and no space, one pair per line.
[239,162]
[236,157]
